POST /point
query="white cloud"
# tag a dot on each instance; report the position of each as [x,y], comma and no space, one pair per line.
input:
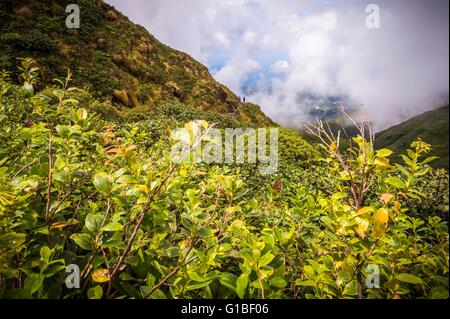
[281,66]
[236,71]
[221,39]
[249,38]
[397,71]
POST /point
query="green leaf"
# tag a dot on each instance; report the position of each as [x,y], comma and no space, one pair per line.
[228,280]
[384,152]
[246,254]
[33,282]
[27,89]
[278,282]
[173,252]
[430,159]
[95,292]
[12,240]
[305,283]
[198,286]
[113,240]
[195,276]
[395,181]
[412,195]
[410,279]
[118,173]
[130,290]
[113,226]
[407,160]
[83,240]
[340,195]
[439,293]
[351,289]
[157,294]
[150,280]
[81,113]
[204,232]
[102,182]
[67,101]
[120,200]
[53,270]
[241,285]
[46,254]
[191,195]
[265,273]
[60,162]
[266,259]
[63,130]
[126,179]
[93,222]
[61,176]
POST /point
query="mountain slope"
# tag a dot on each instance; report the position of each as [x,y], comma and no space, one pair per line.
[432,127]
[113,57]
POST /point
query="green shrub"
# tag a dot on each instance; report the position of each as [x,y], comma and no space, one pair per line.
[90,14]
[34,40]
[86,186]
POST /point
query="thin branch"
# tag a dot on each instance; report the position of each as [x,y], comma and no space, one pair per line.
[49,179]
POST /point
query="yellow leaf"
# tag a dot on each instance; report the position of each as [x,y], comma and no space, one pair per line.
[188,126]
[58,225]
[142,188]
[386,197]
[381,161]
[397,206]
[333,146]
[204,124]
[379,230]
[365,210]
[183,173]
[346,208]
[185,243]
[362,228]
[384,152]
[381,216]
[112,149]
[130,148]
[101,275]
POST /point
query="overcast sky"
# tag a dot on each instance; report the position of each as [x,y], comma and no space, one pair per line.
[285,49]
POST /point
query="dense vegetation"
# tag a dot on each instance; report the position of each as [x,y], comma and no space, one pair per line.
[431,126]
[85,183]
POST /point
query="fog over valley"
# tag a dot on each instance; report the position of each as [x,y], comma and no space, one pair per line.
[276,53]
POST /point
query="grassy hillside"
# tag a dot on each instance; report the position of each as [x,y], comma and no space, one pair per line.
[115,58]
[432,127]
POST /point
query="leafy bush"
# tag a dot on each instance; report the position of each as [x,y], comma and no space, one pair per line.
[102,193]
[34,40]
[90,14]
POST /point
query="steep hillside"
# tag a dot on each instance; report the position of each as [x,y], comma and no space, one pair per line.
[113,57]
[431,126]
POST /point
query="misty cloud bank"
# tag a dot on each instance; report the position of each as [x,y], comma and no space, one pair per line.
[288,49]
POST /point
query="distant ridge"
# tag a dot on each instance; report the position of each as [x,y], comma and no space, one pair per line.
[431,126]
